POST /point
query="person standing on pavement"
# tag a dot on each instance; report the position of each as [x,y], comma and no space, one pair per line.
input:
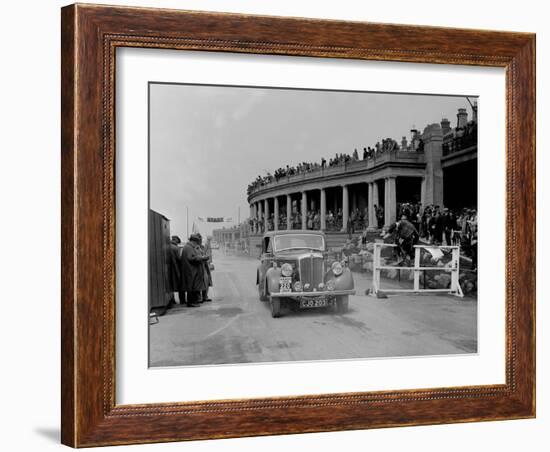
[473,241]
[173,261]
[439,227]
[191,270]
[206,251]
[449,225]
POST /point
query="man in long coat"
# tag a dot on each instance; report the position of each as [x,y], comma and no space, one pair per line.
[192,270]
[173,261]
[405,237]
[206,250]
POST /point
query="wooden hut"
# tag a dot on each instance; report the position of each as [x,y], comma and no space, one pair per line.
[159,241]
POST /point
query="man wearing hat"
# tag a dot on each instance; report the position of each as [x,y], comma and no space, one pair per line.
[173,258]
[449,225]
[192,273]
[406,236]
[206,275]
[207,251]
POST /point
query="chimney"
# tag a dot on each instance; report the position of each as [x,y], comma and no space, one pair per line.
[445,126]
[461,118]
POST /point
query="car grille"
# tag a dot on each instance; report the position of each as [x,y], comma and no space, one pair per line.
[311,270]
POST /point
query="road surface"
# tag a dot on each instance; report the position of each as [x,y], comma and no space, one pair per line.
[238,328]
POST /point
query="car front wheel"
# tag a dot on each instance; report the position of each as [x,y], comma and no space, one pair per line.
[342,304]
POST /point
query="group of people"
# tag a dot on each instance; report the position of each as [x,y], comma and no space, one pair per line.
[386,145]
[189,270]
[357,220]
[442,226]
[313,221]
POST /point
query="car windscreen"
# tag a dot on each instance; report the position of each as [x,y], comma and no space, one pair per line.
[290,241]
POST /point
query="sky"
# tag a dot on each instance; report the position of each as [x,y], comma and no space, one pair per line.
[207,143]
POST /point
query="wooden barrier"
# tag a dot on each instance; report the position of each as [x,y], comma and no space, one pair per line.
[454,270]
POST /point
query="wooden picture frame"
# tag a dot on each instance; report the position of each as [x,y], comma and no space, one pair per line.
[90,36]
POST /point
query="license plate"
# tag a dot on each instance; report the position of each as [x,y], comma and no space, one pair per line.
[285,284]
[313,303]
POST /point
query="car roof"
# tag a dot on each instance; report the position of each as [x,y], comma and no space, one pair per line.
[293,231]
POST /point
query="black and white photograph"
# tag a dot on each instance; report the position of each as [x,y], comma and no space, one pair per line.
[291,225]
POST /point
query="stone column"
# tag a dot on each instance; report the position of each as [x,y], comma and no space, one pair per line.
[386,202]
[370,206]
[390,207]
[260,216]
[423,192]
[276,213]
[345,207]
[323,209]
[288,212]
[433,185]
[266,213]
[304,210]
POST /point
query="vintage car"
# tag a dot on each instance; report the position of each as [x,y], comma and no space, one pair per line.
[294,270]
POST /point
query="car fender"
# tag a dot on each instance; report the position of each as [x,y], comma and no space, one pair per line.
[272,277]
[342,282]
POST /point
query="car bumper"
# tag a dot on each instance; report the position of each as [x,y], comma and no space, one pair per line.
[326,293]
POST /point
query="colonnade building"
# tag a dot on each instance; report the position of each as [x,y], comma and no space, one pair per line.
[438,167]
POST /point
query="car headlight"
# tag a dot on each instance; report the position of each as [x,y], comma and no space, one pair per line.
[330,284]
[298,286]
[286,269]
[337,268]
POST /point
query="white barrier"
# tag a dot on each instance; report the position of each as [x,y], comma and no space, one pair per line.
[454,270]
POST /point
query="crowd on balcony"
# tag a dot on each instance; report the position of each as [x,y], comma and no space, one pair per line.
[387,145]
[460,139]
